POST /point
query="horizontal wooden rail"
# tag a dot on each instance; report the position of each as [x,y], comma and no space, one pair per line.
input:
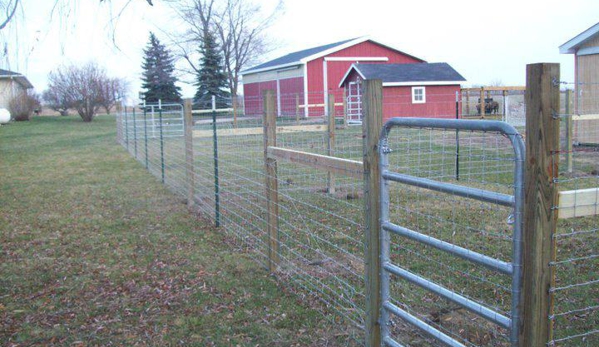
[259,131]
[495,89]
[346,167]
[579,203]
[319,105]
[210,111]
[577,117]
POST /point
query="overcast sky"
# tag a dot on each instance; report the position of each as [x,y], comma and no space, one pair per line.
[487,42]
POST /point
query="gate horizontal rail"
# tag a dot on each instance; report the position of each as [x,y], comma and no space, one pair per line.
[515,201]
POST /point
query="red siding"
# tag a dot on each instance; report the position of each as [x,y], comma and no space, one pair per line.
[440,102]
[252,96]
[337,69]
[290,88]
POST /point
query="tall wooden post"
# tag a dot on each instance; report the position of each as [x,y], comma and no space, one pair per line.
[234,103]
[569,130]
[541,197]
[467,101]
[119,117]
[270,169]
[345,107]
[297,108]
[331,140]
[372,108]
[504,117]
[482,102]
[189,167]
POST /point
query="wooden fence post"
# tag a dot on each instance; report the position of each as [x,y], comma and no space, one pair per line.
[541,197]
[331,140]
[482,102]
[344,107]
[569,130]
[234,104]
[468,102]
[297,108]
[372,106]
[119,119]
[270,169]
[189,169]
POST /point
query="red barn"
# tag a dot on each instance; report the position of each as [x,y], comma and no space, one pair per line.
[409,90]
[302,79]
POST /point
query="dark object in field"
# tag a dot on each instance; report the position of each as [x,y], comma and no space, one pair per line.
[491,106]
[352,196]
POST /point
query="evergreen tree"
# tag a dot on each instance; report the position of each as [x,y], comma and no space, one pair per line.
[211,79]
[157,77]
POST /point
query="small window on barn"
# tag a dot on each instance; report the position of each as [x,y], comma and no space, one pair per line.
[418,95]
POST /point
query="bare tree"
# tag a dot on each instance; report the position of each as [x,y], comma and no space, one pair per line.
[10,9]
[56,101]
[113,89]
[240,27]
[80,87]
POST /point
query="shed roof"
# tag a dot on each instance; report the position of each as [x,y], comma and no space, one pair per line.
[22,80]
[407,74]
[573,44]
[303,56]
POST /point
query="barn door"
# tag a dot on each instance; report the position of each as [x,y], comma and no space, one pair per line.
[354,104]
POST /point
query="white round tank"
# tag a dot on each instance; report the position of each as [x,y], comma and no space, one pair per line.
[4,116]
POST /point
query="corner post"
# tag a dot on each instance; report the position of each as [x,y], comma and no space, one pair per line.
[371,127]
[331,140]
[569,130]
[540,200]
[189,167]
[269,122]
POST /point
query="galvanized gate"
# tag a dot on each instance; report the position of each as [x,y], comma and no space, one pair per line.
[513,269]
[354,104]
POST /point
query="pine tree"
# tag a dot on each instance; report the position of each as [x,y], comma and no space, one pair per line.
[157,77]
[211,79]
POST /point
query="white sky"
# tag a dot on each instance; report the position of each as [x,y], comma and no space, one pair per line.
[485,41]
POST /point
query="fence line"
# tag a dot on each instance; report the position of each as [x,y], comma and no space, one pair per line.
[290,191]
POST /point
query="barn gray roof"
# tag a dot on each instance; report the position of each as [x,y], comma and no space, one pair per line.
[300,57]
[295,57]
[573,44]
[407,73]
[22,80]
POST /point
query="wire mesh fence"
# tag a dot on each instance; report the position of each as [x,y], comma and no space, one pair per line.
[575,317]
[285,196]
[473,160]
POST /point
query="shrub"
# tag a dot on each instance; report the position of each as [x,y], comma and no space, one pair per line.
[21,107]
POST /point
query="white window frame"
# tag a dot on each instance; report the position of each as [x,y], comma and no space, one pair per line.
[414,101]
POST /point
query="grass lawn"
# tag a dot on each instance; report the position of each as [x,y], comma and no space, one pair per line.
[94,251]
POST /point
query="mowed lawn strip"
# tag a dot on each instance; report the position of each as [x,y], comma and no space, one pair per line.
[96,252]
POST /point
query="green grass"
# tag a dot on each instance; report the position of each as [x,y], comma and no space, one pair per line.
[95,251]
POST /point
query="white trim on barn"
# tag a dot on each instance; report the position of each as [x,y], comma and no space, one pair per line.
[588,51]
[356,59]
[325,82]
[276,67]
[419,98]
[334,49]
[306,112]
[420,83]
[570,46]
[272,75]
[352,67]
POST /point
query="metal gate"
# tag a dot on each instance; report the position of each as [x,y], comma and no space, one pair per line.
[509,323]
[354,104]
